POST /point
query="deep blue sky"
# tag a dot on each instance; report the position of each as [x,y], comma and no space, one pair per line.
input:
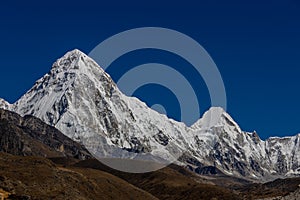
[255,45]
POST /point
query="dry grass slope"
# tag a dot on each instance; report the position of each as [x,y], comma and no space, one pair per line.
[39,178]
[172,182]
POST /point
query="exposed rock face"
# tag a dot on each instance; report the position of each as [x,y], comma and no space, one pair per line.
[293,196]
[4,104]
[31,136]
[82,101]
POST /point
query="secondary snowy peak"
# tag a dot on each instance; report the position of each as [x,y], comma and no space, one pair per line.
[219,138]
[4,104]
[215,117]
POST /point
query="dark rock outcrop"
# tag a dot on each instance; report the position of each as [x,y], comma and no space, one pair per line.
[30,136]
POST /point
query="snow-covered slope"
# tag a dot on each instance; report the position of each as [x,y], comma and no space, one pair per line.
[83,102]
[4,104]
[242,153]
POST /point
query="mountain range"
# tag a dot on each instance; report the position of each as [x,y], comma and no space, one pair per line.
[38,162]
[81,100]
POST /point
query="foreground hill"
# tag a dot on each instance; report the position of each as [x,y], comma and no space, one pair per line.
[39,178]
[179,183]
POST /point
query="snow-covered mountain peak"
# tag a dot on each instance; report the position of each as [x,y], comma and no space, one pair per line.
[72,75]
[80,99]
[212,117]
[75,54]
[68,60]
[75,61]
[215,117]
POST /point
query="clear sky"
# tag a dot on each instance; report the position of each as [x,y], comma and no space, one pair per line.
[255,44]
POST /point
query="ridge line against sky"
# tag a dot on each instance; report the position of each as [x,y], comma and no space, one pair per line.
[256,47]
